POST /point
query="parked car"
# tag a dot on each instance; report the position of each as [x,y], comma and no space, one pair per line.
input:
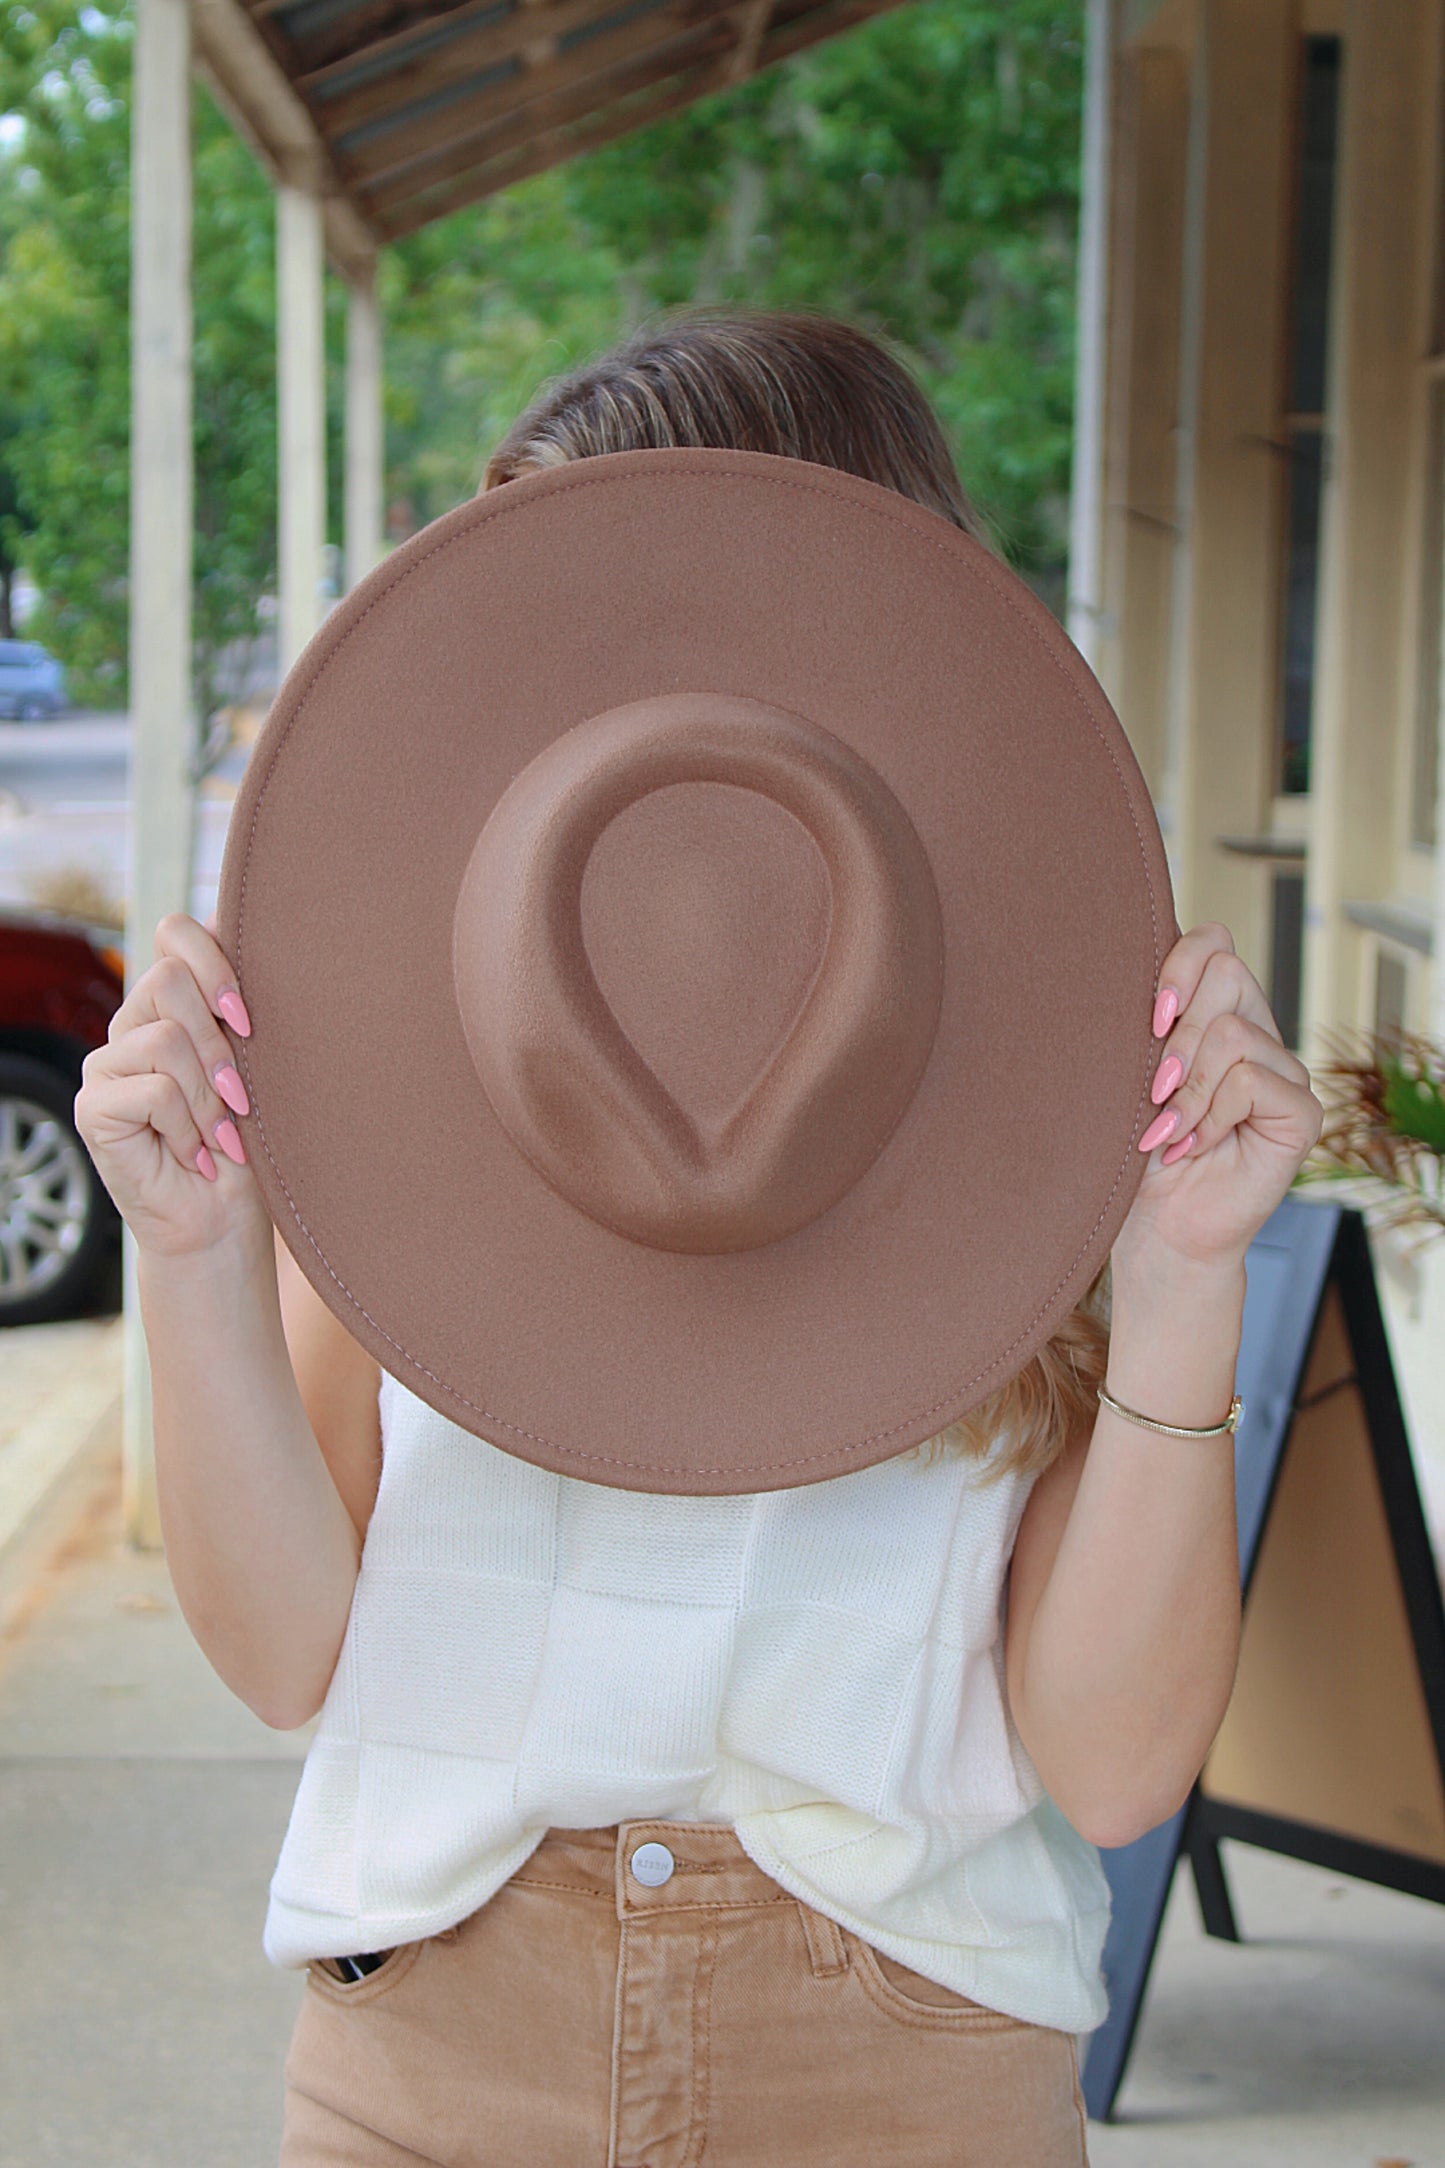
[61,982]
[32,683]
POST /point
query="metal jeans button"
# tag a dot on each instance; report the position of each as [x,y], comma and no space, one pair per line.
[652,1865]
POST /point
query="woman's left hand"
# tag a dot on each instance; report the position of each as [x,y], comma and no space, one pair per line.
[1245,1117]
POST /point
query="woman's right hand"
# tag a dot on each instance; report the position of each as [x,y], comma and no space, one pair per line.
[158,1102]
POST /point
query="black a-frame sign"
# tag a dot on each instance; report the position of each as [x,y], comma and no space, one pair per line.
[1333,1746]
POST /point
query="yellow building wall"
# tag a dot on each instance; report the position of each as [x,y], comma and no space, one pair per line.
[1193,507]
[1363,725]
[1195,466]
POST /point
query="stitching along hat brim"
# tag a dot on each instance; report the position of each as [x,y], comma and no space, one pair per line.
[442,1245]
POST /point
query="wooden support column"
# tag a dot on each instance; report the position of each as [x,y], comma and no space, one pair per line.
[1435,1002]
[301,385]
[158,879]
[1140,516]
[1230,489]
[1085,596]
[1435,1016]
[1366,548]
[364,426]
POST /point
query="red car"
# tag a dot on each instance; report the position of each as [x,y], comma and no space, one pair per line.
[60,984]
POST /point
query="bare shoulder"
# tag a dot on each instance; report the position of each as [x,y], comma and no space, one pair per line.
[1036,1546]
[339,1383]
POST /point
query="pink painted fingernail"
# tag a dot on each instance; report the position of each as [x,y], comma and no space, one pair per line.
[1170,1072]
[1177,1151]
[206,1164]
[1159,1129]
[1166,1008]
[228,1136]
[233,1008]
[228,1083]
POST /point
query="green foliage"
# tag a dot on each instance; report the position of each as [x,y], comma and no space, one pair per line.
[1384,1127]
[234,396]
[479,308]
[1415,1104]
[65,361]
[15,522]
[918,175]
[63,292]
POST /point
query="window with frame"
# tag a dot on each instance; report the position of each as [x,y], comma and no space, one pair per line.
[1430,656]
[1317,134]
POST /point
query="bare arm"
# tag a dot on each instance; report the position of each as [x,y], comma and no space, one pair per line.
[339,1383]
[262,1548]
[1124,1599]
[1122,1651]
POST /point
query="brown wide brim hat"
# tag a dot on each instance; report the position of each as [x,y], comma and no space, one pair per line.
[700,920]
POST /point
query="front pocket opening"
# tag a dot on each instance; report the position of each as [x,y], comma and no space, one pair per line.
[327,1980]
[916,1987]
[896,1988]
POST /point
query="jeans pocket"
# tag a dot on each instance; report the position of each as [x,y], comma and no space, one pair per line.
[902,1993]
[393,1968]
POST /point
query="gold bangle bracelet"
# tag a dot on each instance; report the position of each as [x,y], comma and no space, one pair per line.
[1178,1430]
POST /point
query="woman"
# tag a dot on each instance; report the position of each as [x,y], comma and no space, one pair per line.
[631,1991]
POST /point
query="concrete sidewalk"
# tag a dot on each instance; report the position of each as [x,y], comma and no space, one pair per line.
[57,1384]
[141,1808]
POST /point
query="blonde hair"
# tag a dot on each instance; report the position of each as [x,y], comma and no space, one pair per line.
[1027,1423]
[810,387]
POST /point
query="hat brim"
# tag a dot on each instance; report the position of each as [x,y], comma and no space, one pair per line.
[998,1196]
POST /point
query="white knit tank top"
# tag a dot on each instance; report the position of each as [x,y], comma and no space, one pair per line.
[820,1668]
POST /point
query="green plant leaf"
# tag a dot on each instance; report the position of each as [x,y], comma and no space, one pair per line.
[1415,1105]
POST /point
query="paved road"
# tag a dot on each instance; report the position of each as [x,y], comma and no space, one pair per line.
[85,754]
[81,761]
[64,791]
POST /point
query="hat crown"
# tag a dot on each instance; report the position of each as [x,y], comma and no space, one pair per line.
[567,1081]
[706,912]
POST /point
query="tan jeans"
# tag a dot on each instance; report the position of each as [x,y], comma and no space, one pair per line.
[584,2018]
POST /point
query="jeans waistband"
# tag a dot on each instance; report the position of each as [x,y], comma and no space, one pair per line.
[684,1866]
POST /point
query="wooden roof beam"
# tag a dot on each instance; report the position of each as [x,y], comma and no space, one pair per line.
[254,93]
[554,146]
[622,119]
[478,46]
[411,156]
[333,33]
[485,29]
[753,29]
[568,104]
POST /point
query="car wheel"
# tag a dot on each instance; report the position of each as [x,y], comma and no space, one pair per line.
[56,1218]
[35,711]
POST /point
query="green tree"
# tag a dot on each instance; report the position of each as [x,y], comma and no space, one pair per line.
[65,355]
[918,175]
[15,525]
[62,315]
[478,309]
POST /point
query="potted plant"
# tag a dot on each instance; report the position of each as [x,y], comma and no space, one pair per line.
[1384,1134]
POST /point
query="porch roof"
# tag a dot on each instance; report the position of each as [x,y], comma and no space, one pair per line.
[401,111]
